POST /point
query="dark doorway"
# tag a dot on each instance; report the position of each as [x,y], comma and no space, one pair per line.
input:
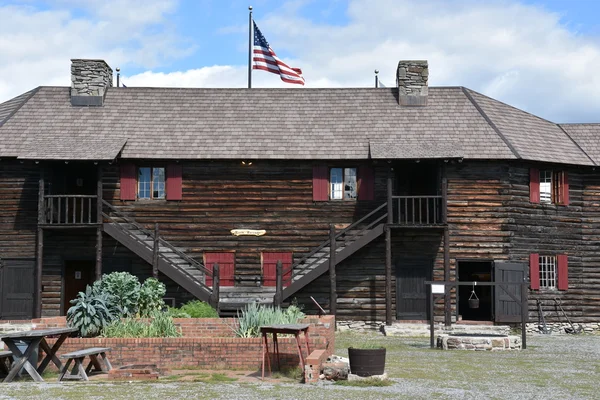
[78,274]
[480,271]
[411,291]
[17,283]
[74,178]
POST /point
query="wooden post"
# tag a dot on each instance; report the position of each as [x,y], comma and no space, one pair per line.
[39,256]
[99,222]
[524,314]
[155,251]
[332,277]
[388,251]
[447,294]
[279,283]
[216,283]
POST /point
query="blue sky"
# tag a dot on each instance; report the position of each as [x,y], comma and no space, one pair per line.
[540,56]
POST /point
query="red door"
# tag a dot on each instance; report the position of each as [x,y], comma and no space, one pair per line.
[269,267]
[226,263]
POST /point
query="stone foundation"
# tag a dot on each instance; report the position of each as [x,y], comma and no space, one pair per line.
[478,342]
[561,328]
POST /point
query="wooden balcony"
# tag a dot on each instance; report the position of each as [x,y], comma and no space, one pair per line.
[418,211]
[69,210]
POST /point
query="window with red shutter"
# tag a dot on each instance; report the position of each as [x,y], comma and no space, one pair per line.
[563,272]
[534,185]
[320,183]
[366,183]
[534,271]
[128,181]
[269,267]
[174,182]
[226,263]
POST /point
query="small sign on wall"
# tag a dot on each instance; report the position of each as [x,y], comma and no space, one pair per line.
[248,232]
[437,289]
[77,274]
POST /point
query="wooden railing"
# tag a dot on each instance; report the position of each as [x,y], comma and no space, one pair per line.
[418,210]
[70,209]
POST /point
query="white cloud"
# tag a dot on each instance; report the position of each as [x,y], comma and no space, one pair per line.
[520,54]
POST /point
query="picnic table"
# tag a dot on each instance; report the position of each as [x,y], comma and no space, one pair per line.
[293,329]
[34,339]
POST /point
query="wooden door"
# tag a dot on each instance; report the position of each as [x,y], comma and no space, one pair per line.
[412,299]
[269,267]
[78,274]
[17,285]
[506,309]
[226,263]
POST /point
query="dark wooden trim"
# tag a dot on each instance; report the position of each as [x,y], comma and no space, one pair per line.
[278,299]
[388,249]
[155,251]
[40,250]
[332,278]
[99,228]
[447,295]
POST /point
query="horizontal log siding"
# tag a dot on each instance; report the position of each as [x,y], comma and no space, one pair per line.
[589,284]
[18,209]
[548,229]
[223,195]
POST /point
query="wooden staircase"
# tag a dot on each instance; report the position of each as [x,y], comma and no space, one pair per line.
[172,261]
[347,242]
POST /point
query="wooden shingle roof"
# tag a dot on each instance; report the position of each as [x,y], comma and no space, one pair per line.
[352,123]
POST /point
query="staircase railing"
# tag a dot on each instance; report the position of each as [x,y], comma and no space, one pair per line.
[70,209]
[162,242]
[417,210]
[379,215]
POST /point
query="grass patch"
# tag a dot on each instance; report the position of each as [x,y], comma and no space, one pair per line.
[294,374]
[215,378]
[369,382]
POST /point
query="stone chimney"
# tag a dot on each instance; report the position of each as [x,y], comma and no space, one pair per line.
[89,81]
[412,80]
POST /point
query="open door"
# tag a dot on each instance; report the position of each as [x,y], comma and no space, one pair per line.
[506,309]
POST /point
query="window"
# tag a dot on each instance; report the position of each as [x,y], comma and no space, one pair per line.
[548,187]
[547,272]
[151,183]
[342,183]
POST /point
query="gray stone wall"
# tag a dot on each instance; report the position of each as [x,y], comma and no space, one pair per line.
[90,77]
[413,88]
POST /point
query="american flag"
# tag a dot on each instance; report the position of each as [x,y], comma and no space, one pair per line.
[266,59]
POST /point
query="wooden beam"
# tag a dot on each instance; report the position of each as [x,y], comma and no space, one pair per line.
[155,251]
[278,284]
[332,277]
[40,249]
[215,295]
[388,251]
[447,295]
[99,228]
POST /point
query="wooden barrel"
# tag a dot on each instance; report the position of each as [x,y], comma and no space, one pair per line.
[367,362]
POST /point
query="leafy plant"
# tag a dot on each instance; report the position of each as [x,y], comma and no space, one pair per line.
[90,312]
[160,325]
[199,309]
[124,291]
[254,316]
[175,312]
[151,297]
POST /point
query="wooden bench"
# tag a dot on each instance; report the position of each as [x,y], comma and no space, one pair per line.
[78,372]
[6,358]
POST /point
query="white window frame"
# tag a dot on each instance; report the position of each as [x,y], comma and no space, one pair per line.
[341,189]
[548,272]
[161,186]
[546,186]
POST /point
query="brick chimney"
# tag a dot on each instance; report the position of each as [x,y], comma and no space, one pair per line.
[89,81]
[412,80]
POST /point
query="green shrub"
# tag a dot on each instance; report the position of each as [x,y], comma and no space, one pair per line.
[177,313]
[124,291]
[151,297]
[90,312]
[160,325]
[199,309]
[254,316]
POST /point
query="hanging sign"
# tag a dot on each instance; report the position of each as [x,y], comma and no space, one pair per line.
[248,232]
[437,289]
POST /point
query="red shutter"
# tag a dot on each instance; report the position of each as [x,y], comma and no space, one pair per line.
[128,181]
[320,183]
[534,271]
[366,183]
[269,267]
[563,271]
[565,188]
[174,190]
[226,263]
[534,185]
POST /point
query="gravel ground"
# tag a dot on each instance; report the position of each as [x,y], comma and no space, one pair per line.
[561,367]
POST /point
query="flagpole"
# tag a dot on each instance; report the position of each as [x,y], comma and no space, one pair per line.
[250,42]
